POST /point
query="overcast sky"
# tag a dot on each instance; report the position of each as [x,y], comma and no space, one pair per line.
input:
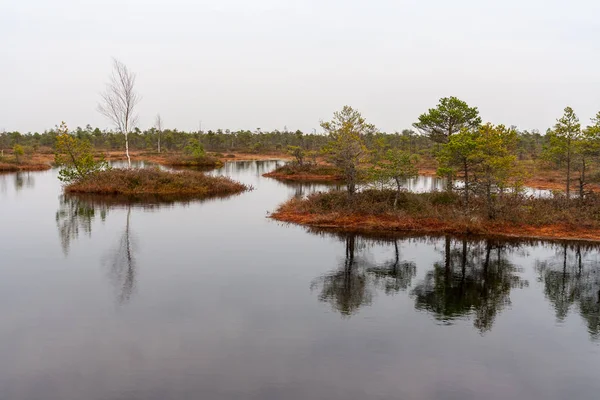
[242,64]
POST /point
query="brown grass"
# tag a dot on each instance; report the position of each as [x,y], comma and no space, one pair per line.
[306,173]
[157,183]
[268,156]
[539,175]
[436,213]
[34,163]
[181,160]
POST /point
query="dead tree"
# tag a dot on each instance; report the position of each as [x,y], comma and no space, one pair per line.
[119,101]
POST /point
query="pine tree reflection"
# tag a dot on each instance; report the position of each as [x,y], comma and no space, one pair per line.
[353,284]
[347,288]
[394,275]
[74,216]
[475,278]
[572,279]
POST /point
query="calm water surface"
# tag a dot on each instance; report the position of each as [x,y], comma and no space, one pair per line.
[212,300]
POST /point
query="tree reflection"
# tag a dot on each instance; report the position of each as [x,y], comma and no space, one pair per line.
[77,214]
[122,264]
[303,189]
[74,216]
[572,279]
[3,186]
[394,275]
[353,283]
[346,289]
[23,179]
[475,278]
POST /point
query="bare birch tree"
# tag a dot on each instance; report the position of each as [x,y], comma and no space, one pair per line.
[158,123]
[119,101]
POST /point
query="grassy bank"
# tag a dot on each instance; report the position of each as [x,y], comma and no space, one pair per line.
[373,211]
[306,173]
[25,165]
[182,160]
[152,182]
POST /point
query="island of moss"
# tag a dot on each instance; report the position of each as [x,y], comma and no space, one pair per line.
[373,211]
[155,182]
[183,160]
[29,163]
[293,171]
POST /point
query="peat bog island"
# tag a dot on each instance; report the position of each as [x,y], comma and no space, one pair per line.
[300,200]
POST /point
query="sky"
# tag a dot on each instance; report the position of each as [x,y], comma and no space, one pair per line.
[270,64]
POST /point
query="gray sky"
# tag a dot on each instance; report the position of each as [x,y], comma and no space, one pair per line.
[270,63]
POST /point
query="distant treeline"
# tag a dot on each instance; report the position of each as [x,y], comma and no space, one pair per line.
[529,145]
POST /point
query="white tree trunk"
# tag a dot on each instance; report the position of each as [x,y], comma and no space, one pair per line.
[127,150]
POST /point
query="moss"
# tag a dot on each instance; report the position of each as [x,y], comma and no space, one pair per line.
[306,172]
[154,182]
[190,161]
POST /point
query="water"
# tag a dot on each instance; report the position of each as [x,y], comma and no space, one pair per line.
[213,300]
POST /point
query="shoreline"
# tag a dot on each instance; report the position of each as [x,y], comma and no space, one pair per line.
[157,183]
[537,183]
[34,167]
[390,224]
[303,177]
[540,179]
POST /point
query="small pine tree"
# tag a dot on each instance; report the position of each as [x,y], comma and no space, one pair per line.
[75,157]
[18,152]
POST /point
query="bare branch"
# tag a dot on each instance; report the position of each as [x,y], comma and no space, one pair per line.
[119,101]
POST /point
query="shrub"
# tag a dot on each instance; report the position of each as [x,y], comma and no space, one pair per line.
[18,151]
[75,157]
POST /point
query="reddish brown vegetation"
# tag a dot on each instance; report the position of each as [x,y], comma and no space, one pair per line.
[154,182]
[371,211]
[306,173]
[25,166]
[189,161]
[34,162]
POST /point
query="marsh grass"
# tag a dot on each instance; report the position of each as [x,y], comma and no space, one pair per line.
[441,212]
[185,160]
[155,183]
[10,164]
[306,172]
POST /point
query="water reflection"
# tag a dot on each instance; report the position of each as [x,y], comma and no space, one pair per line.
[303,189]
[74,216]
[3,183]
[357,278]
[244,324]
[347,288]
[257,168]
[474,278]
[572,279]
[122,264]
[394,275]
[23,180]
